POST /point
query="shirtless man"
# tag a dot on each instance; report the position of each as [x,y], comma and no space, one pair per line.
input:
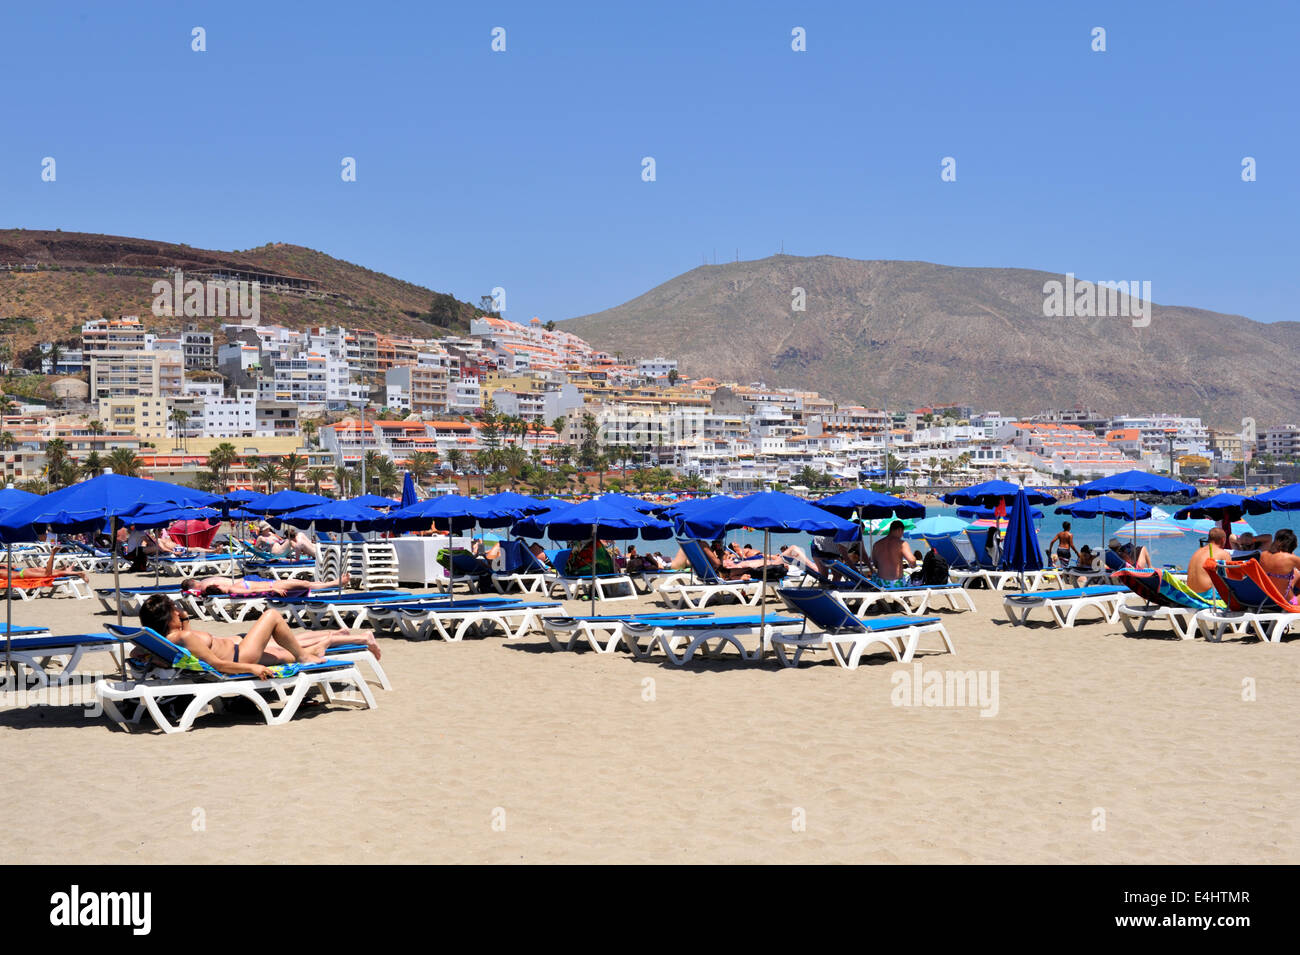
[1198,579]
[1282,565]
[891,552]
[1063,545]
[238,586]
[269,642]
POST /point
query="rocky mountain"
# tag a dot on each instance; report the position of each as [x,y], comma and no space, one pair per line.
[906,334]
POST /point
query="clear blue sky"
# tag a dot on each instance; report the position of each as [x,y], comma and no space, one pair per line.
[523,169]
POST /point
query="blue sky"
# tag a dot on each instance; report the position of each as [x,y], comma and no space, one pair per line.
[522,169]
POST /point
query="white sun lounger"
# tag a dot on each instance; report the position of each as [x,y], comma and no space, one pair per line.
[603,634]
[1065,606]
[35,654]
[452,623]
[682,638]
[846,635]
[207,687]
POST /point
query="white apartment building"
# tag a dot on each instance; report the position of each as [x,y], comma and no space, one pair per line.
[147,374]
[656,368]
[1189,435]
[1281,442]
[102,335]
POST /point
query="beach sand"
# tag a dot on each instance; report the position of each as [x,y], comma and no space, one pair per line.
[1104,749]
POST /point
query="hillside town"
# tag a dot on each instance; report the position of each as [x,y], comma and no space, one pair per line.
[260,406]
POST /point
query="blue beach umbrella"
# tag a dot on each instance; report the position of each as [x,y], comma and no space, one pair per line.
[519,503]
[85,507]
[337,516]
[369,500]
[409,496]
[868,504]
[989,493]
[1285,498]
[1134,482]
[1020,550]
[1218,507]
[1093,507]
[767,511]
[284,501]
[604,516]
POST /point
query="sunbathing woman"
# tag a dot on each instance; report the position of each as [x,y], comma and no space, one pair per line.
[240,587]
[48,572]
[269,642]
[1281,563]
[746,568]
[297,544]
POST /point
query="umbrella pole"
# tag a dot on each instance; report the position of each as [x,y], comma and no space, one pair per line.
[117,594]
[762,596]
[593,566]
[9,608]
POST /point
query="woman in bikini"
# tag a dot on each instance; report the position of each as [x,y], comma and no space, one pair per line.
[1282,565]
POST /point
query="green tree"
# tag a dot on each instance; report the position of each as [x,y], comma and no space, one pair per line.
[180,417]
[293,462]
[315,477]
[270,472]
[421,464]
[456,459]
[124,461]
[220,460]
[91,465]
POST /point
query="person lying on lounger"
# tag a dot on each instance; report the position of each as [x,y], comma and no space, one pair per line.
[48,572]
[269,642]
[730,567]
[296,544]
[1139,558]
[240,587]
[796,554]
[1248,541]
[171,547]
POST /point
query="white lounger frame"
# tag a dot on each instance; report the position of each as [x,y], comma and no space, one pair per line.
[209,693]
[1065,611]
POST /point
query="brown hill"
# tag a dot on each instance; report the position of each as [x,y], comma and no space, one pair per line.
[904,334]
[50,282]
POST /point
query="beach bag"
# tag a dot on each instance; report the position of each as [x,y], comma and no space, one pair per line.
[934,569]
[580,561]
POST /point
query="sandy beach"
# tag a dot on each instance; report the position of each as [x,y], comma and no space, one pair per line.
[1104,749]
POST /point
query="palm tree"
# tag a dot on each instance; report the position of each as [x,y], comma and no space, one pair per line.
[293,462]
[309,430]
[178,417]
[271,472]
[513,460]
[456,458]
[124,461]
[57,465]
[96,427]
[91,465]
[385,476]
[315,476]
[344,477]
[421,465]
[220,460]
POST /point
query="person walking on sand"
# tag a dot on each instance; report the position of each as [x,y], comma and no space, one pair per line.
[1063,545]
